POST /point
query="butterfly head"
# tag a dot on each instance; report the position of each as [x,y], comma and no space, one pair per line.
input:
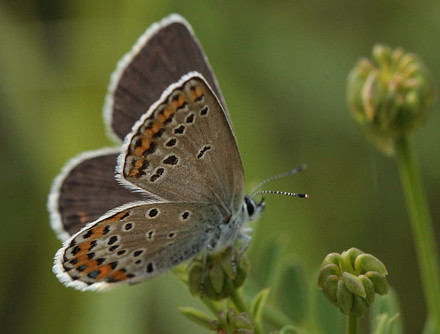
[252,208]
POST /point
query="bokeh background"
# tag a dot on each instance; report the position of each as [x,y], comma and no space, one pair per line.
[282,67]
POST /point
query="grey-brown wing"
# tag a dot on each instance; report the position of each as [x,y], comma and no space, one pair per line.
[134,243]
[161,56]
[184,149]
[85,190]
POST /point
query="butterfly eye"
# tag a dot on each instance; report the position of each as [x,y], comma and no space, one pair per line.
[250,206]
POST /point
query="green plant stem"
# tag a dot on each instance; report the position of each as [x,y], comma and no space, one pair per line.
[422,226]
[352,324]
[237,299]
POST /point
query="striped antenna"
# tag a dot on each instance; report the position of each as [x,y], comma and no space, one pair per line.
[255,191]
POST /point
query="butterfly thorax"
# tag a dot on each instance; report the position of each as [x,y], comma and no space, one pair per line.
[235,227]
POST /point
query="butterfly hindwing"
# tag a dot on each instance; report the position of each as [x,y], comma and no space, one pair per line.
[85,190]
[134,243]
[183,149]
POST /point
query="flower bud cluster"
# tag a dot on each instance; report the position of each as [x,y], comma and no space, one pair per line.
[233,323]
[350,280]
[390,96]
[220,277]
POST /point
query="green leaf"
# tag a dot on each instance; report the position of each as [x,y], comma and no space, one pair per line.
[387,305]
[379,327]
[386,324]
[269,265]
[292,291]
[256,308]
[288,330]
[196,316]
[429,326]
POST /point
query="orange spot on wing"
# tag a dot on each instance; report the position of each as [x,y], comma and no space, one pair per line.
[178,101]
[83,259]
[83,249]
[155,128]
[120,275]
[196,92]
[139,150]
[83,218]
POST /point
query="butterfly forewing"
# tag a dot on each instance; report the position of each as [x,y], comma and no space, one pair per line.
[167,51]
[183,149]
[135,243]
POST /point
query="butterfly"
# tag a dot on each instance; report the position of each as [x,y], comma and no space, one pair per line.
[178,185]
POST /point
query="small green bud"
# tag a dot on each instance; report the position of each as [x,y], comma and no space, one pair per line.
[241,322]
[390,96]
[219,278]
[330,288]
[344,297]
[354,284]
[194,277]
[369,289]
[379,282]
[232,323]
[351,279]
[359,306]
[333,258]
[326,271]
[367,262]
[352,254]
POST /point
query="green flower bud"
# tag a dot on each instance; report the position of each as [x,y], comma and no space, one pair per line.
[232,323]
[326,271]
[390,96]
[379,281]
[194,277]
[345,297]
[359,306]
[351,279]
[241,322]
[367,262]
[330,288]
[354,284]
[369,289]
[219,278]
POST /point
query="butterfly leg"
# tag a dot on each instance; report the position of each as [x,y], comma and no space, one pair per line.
[245,238]
[245,242]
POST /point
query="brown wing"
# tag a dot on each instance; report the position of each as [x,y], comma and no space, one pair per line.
[161,56]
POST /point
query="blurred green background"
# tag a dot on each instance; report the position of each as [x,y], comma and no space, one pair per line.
[282,67]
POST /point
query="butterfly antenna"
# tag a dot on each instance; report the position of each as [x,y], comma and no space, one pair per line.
[280,193]
[255,191]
